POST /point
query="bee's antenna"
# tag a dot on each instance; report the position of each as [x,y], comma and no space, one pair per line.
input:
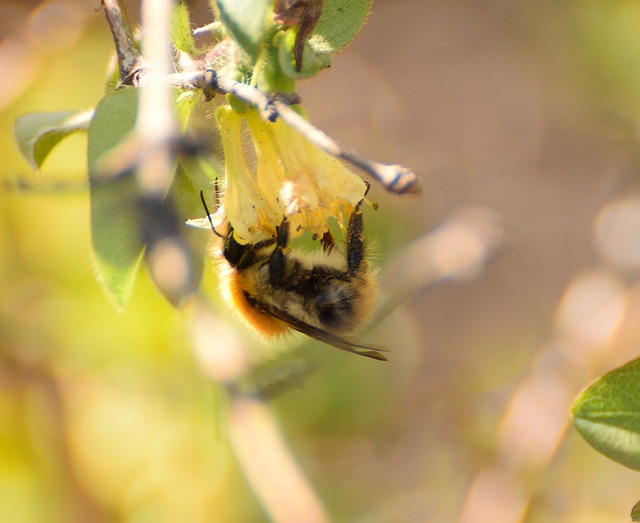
[208,214]
[366,190]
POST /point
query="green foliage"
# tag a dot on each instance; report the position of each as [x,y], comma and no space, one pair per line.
[317,55]
[270,75]
[635,512]
[340,22]
[37,134]
[184,105]
[607,414]
[117,247]
[180,27]
[245,21]
[270,48]
[117,221]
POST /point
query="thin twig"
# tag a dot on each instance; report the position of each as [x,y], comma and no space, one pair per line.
[156,126]
[459,249]
[22,183]
[204,30]
[260,448]
[536,419]
[269,465]
[393,177]
[167,253]
[129,59]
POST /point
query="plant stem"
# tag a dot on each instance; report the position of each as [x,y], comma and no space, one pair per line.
[129,59]
[395,178]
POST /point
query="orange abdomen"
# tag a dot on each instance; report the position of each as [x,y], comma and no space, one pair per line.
[265,324]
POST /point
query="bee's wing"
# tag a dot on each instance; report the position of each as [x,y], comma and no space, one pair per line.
[370,351]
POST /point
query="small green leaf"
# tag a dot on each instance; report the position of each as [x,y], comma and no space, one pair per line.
[39,133]
[185,193]
[245,22]
[607,414]
[317,55]
[635,512]
[270,76]
[341,21]
[195,174]
[180,29]
[117,246]
[183,106]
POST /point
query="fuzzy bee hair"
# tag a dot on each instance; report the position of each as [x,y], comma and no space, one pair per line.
[324,294]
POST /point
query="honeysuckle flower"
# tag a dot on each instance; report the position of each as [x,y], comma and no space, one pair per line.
[318,185]
[293,179]
[245,204]
[270,174]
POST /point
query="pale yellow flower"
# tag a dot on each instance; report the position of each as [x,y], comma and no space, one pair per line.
[252,216]
[292,178]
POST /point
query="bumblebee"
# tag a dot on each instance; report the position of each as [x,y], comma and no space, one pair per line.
[324,294]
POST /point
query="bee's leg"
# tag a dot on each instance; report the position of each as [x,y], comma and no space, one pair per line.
[282,234]
[277,259]
[355,241]
[327,242]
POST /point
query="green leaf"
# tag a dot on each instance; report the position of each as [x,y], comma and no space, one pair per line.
[340,22]
[188,181]
[180,29]
[635,512]
[317,55]
[607,414]
[39,133]
[183,105]
[245,22]
[270,76]
[117,246]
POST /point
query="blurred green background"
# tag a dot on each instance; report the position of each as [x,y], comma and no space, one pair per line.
[528,108]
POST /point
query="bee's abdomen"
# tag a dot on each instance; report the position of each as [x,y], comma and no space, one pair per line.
[334,308]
